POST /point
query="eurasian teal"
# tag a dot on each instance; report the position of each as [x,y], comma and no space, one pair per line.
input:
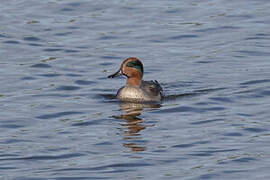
[137,90]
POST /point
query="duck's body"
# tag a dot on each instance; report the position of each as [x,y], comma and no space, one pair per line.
[137,90]
[148,91]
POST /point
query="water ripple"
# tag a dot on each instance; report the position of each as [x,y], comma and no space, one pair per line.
[253,53]
[31,38]
[218,29]
[257,130]
[180,109]
[41,65]
[28,78]
[57,115]
[120,167]
[190,144]
[11,42]
[254,82]
[244,159]
[35,44]
[183,37]
[76,178]
[63,33]
[52,49]
[44,157]
[84,82]
[208,121]
[233,134]
[90,123]
[50,75]
[67,88]
[11,126]
[211,152]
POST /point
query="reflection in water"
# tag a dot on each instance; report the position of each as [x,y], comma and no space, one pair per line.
[133,124]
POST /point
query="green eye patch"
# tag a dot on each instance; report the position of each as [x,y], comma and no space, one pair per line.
[136,64]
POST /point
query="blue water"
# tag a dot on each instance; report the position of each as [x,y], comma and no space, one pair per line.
[59,118]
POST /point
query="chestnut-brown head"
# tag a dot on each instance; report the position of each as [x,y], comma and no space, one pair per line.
[132,68]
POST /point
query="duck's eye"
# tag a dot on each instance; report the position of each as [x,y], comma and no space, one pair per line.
[136,64]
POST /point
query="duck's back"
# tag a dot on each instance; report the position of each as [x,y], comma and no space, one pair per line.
[152,88]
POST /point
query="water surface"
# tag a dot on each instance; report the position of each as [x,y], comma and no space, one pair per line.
[59,118]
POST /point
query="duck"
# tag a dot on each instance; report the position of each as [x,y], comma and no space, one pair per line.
[136,89]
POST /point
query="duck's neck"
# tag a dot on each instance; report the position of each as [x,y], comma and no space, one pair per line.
[134,81]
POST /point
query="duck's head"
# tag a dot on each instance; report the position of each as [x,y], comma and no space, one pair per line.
[132,68]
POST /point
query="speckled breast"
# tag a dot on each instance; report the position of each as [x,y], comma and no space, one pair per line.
[134,94]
